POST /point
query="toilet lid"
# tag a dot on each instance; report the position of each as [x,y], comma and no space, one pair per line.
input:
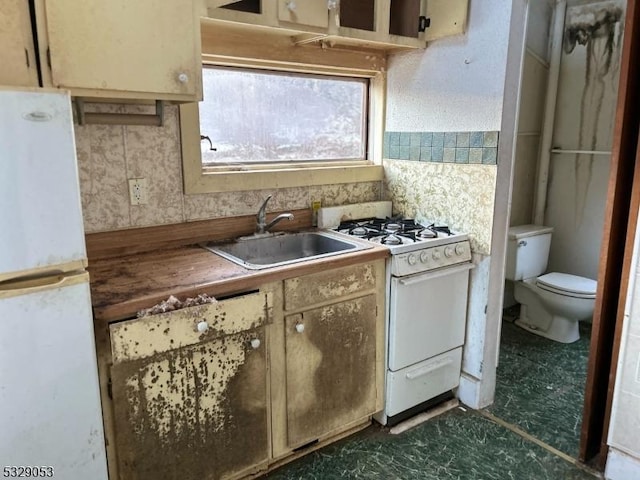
[572,285]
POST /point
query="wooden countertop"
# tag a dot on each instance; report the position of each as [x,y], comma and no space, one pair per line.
[122,286]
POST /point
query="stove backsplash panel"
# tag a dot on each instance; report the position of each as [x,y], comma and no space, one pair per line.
[442,147]
[458,195]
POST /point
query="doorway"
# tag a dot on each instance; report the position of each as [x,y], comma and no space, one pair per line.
[561,180]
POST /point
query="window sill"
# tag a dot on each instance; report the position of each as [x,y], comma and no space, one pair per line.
[210,182]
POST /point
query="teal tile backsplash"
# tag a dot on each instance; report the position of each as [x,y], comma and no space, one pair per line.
[447,147]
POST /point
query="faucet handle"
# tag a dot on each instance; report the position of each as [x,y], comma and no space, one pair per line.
[264,203]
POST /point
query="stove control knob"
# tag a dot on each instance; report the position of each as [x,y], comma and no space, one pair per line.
[448,251]
[436,255]
[411,259]
[424,257]
[459,249]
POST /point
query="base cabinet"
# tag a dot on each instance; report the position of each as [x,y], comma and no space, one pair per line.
[198,410]
[331,368]
[195,413]
[230,389]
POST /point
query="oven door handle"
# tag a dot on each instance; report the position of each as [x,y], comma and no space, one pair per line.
[435,274]
[421,372]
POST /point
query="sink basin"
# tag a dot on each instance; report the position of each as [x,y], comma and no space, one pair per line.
[272,250]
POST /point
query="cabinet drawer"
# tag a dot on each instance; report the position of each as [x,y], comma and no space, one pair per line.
[324,286]
[143,337]
[410,386]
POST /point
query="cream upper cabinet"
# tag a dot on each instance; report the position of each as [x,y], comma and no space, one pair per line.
[121,49]
[379,24]
[17,55]
[314,13]
[446,18]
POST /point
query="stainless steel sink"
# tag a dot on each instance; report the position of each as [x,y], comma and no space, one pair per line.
[275,249]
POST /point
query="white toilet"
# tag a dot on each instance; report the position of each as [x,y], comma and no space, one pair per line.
[551,304]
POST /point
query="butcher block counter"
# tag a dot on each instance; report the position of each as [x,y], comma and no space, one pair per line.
[120,287]
[284,361]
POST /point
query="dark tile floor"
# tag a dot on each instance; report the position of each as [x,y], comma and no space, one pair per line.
[540,385]
[539,389]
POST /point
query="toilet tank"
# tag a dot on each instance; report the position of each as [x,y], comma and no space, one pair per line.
[527,251]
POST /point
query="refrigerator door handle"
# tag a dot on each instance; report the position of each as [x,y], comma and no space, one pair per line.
[40,284]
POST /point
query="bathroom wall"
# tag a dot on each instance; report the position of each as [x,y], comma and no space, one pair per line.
[457,87]
[109,155]
[585,109]
[533,92]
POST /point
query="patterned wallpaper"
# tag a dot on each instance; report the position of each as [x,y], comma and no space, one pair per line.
[460,195]
[108,155]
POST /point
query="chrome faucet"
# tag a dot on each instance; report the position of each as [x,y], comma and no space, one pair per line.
[261,218]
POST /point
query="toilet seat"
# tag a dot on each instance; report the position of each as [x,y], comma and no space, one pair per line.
[568,285]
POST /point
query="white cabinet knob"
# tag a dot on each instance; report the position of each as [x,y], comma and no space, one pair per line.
[291,5]
[202,326]
[299,327]
[255,343]
[183,78]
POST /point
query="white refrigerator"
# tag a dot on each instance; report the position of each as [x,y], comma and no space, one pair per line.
[50,412]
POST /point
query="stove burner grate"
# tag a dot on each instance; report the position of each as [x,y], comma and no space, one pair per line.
[392,230]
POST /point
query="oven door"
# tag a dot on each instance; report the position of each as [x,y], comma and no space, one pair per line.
[427,314]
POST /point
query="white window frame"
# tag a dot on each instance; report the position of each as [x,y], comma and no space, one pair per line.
[199,179]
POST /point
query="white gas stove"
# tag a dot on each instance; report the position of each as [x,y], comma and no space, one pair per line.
[427,288]
[416,247]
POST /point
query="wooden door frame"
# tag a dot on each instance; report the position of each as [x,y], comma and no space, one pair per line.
[621,216]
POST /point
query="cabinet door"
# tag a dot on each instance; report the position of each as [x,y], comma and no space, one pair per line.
[193,413]
[330,368]
[447,17]
[307,12]
[123,45]
[17,56]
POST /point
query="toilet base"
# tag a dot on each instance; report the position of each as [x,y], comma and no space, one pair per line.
[561,329]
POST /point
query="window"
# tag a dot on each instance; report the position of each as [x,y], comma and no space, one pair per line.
[273,128]
[266,117]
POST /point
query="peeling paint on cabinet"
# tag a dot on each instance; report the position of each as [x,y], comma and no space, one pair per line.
[328,285]
[190,400]
[330,367]
[144,337]
[198,412]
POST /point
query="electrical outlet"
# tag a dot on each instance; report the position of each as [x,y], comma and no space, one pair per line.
[138,191]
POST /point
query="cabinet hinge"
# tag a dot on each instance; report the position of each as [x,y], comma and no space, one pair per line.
[49,57]
[423,23]
[26,56]
[110,388]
